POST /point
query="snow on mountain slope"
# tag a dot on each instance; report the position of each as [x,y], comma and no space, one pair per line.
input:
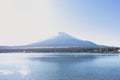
[63,39]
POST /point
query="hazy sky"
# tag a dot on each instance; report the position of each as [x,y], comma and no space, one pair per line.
[26,21]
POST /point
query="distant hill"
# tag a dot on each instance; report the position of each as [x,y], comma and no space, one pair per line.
[3,47]
[63,39]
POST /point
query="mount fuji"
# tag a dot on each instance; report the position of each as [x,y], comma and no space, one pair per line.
[63,39]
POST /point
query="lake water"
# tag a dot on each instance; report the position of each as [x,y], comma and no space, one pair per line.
[59,66]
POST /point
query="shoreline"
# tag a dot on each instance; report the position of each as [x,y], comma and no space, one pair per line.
[60,50]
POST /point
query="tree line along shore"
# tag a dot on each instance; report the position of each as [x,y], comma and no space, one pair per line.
[60,49]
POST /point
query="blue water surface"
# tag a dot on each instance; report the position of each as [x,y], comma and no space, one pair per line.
[59,66]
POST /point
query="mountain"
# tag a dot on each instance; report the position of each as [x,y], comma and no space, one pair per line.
[63,39]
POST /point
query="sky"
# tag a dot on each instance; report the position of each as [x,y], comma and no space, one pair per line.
[26,21]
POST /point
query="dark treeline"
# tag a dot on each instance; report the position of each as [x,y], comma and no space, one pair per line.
[59,49]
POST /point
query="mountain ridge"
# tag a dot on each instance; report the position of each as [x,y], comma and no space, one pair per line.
[64,39]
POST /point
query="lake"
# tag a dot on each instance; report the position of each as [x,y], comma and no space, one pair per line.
[59,66]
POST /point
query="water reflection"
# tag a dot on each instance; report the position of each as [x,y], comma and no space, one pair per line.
[13,66]
[63,58]
[24,72]
[59,67]
[6,72]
